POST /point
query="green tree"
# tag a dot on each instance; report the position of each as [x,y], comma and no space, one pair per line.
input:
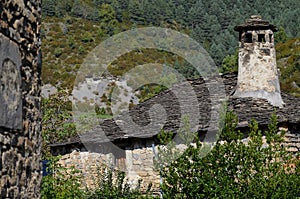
[48,7]
[135,10]
[181,15]
[230,63]
[195,15]
[255,167]
[114,185]
[117,5]
[280,36]
[291,20]
[63,7]
[57,120]
[108,22]
[217,52]
[77,8]
[62,182]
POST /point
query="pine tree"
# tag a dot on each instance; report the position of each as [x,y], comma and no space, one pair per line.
[49,7]
[136,12]
[108,22]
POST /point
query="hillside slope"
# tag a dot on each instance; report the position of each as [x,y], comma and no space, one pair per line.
[209,22]
[288,61]
[67,41]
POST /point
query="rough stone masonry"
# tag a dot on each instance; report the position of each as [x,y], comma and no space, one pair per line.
[20,118]
[257,75]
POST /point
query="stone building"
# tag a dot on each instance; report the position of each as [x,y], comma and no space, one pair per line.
[252,94]
[134,153]
[20,69]
[257,75]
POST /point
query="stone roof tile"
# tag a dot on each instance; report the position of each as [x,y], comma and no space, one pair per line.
[245,108]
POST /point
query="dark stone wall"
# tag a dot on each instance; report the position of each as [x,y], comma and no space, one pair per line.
[20,118]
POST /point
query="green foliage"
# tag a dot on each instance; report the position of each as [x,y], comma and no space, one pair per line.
[62,183]
[288,61]
[168,152]
[230,63]
[81,50]
[280,36]
[100,110]
[165,137]
[71,42]
[57,52]
[229,132]
[89,118]
[48,8]
[108,22]
[63,53]
[113,184]
[149,91]
[210,23]
[235,168]
[57,120]
[186,69]
[87,37]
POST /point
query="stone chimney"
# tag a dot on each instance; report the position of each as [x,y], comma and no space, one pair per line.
[20,120]
[257,75]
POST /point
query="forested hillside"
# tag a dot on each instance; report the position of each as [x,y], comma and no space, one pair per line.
[288,61]
[209,22]
[72,28]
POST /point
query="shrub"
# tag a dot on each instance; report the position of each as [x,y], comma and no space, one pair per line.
[113,184]
[87,37]
[65,183]
[57,120]
[62,182]
[57,52]
[234,168]
[230,63]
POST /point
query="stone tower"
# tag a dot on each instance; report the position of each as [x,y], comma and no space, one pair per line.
[20,118]
[257,76]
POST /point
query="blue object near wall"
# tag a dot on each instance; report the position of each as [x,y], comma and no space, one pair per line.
[45,164]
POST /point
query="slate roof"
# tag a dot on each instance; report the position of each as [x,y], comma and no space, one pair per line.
[245,108]
[255,23]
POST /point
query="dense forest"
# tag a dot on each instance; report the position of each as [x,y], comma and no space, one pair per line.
[72,28]
[209,22]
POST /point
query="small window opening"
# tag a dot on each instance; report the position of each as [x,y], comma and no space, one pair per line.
[261,38]
[265,52]
[270,37]
[248,38]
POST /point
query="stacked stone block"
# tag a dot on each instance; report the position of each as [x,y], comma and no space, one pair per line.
[20,120]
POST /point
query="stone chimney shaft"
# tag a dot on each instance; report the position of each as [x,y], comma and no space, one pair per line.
[257,75]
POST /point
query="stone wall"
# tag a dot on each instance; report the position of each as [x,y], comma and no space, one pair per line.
[292,137]
[88,164]
[20,68]
[137,164]
[137,159]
